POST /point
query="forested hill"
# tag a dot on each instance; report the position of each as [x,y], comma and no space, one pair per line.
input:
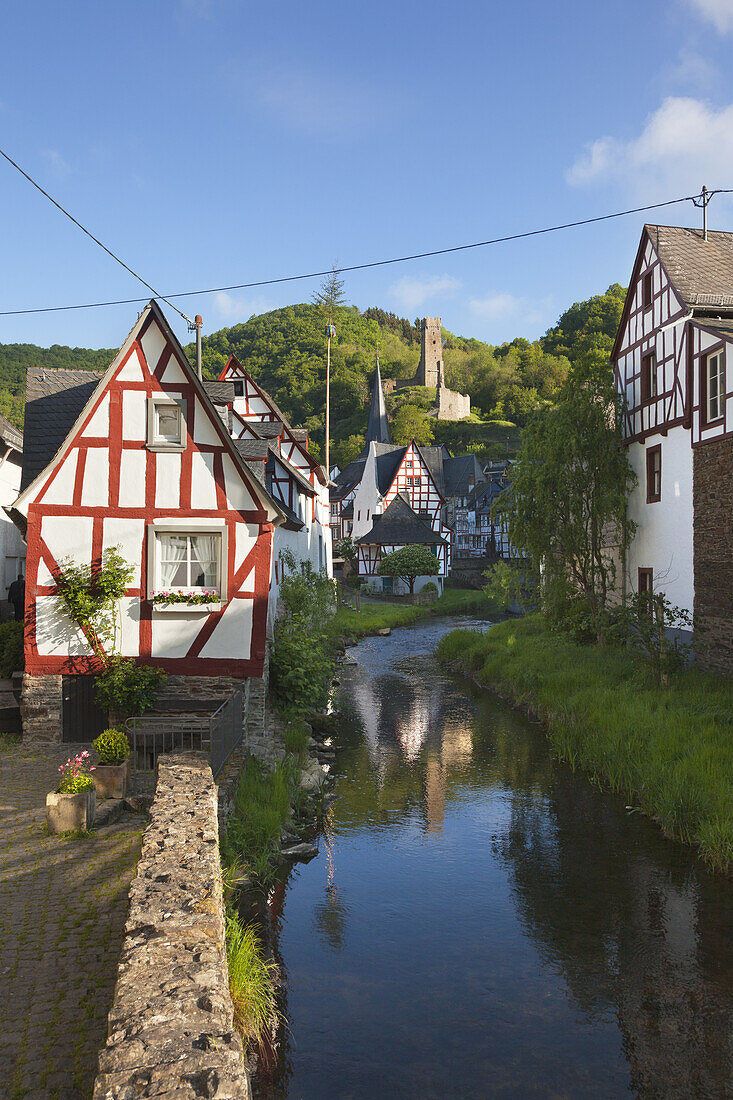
[285,351]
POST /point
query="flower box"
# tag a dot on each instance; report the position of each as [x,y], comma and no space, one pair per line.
[67,813]
[110,780]
[185,608]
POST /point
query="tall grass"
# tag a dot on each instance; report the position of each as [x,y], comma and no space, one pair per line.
[252,983]
[261,808]
[373,617]
[670,750]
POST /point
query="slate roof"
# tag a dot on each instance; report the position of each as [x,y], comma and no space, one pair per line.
[221,393]
[268,429]
[10,435]
[400,526]
[388,458]
[252,448]
[54,398]
[347,512]
[300,435]
[377,427]
[701,271]
[350,475]
[458,473]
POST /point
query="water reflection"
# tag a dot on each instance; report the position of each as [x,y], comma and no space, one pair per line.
[483,922]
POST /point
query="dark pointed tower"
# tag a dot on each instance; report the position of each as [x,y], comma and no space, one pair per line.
[377,428]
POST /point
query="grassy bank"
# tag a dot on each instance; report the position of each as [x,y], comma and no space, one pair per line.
[374,617]
[668,750]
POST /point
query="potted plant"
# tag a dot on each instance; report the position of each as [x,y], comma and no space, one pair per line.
[110,775]
[73,804]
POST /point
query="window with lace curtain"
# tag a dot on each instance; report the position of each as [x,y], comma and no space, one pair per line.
[182,561]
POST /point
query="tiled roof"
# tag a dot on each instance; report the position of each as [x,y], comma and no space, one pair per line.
[387,462]
[723,325]
[701,271]
[54,398]
[347,512]
[400,526]
[268,429]
[351,475]
[458,473]
[300,435]
[10,435]
[221,393]
[252,448]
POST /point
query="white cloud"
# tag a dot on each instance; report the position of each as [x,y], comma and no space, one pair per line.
[231,308]
[718,12]
[59,167]
[327,104]
[411,293]
[683,144]
[691,72]
[504,306]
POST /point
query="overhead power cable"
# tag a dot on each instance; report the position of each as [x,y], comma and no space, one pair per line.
[339,270]
[96,241]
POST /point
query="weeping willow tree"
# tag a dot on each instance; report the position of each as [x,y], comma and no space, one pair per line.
[569,492]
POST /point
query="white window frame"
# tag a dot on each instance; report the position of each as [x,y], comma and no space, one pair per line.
[175,526]
[720,396]
[158,443]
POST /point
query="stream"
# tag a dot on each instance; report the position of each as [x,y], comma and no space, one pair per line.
[481,921]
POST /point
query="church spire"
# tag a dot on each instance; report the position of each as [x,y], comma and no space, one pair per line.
[377,428]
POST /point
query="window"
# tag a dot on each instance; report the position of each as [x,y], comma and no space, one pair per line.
[646,290]
[239,389]
[648,376]
[654,474]
[190,560]
[714,386]
[166,423]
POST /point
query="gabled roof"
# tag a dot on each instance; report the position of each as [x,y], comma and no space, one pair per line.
[377,427]
[268,429]
[54,398]
[400,526]
[435,458]
[387,461]
[252,448]
[701,271]
[292,471]
[458,472]
[239,370]
[221,393]
[74,392]
[10,435]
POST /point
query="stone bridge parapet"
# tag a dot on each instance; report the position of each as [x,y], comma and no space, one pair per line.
[171,1031]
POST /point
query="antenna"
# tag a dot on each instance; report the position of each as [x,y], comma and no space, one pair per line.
[705,197]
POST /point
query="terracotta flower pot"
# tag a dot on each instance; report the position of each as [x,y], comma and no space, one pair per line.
[110,780]
[66,813]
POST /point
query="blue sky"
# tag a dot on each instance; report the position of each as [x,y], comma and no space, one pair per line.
[212,142]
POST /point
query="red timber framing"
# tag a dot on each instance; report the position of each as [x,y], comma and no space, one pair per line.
[415,482]
[652,325]
[706,341]
[117,480]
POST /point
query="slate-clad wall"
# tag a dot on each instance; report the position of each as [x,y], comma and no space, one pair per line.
[171,1030]
[713,558]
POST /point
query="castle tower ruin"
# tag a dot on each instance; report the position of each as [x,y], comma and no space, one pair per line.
[431,352]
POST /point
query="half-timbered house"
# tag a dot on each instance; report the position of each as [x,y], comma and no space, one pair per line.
[346,481]
[139,458]
[298,483]
[673,361]
[479,531]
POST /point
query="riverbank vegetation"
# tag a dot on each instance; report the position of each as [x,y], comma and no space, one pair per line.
[373,617]
[666,749]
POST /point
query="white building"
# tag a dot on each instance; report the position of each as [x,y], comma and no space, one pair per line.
[673,360]
[12,546]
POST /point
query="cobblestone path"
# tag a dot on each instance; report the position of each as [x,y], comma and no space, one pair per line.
[63,904]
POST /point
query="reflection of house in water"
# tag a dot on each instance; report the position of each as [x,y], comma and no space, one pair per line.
[624,928]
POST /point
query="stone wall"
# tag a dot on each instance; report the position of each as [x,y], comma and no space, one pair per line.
[452,405]
[712,495]
[431,352]
[171,1030]
[41,708]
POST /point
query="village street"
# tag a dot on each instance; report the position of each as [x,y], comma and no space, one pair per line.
[61,921]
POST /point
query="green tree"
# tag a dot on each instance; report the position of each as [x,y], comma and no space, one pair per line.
[570,485]
[409,563]
[410,422]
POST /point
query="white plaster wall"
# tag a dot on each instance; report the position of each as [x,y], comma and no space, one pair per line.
[12,547]
[663,540]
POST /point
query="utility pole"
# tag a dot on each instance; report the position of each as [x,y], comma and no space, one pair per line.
[196,326]
[705,201]
[330,331]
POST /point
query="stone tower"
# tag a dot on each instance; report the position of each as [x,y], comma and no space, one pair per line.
[431,352]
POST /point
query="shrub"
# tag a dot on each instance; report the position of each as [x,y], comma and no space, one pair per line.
[11,649]
[127,688]
[429,587]
[302,659]
[112,747]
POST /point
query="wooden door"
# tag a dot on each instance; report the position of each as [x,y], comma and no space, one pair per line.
[83,718]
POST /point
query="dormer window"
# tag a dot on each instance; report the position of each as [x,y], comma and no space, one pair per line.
[646,290]
[714,380]
[648,376]
[166,423]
